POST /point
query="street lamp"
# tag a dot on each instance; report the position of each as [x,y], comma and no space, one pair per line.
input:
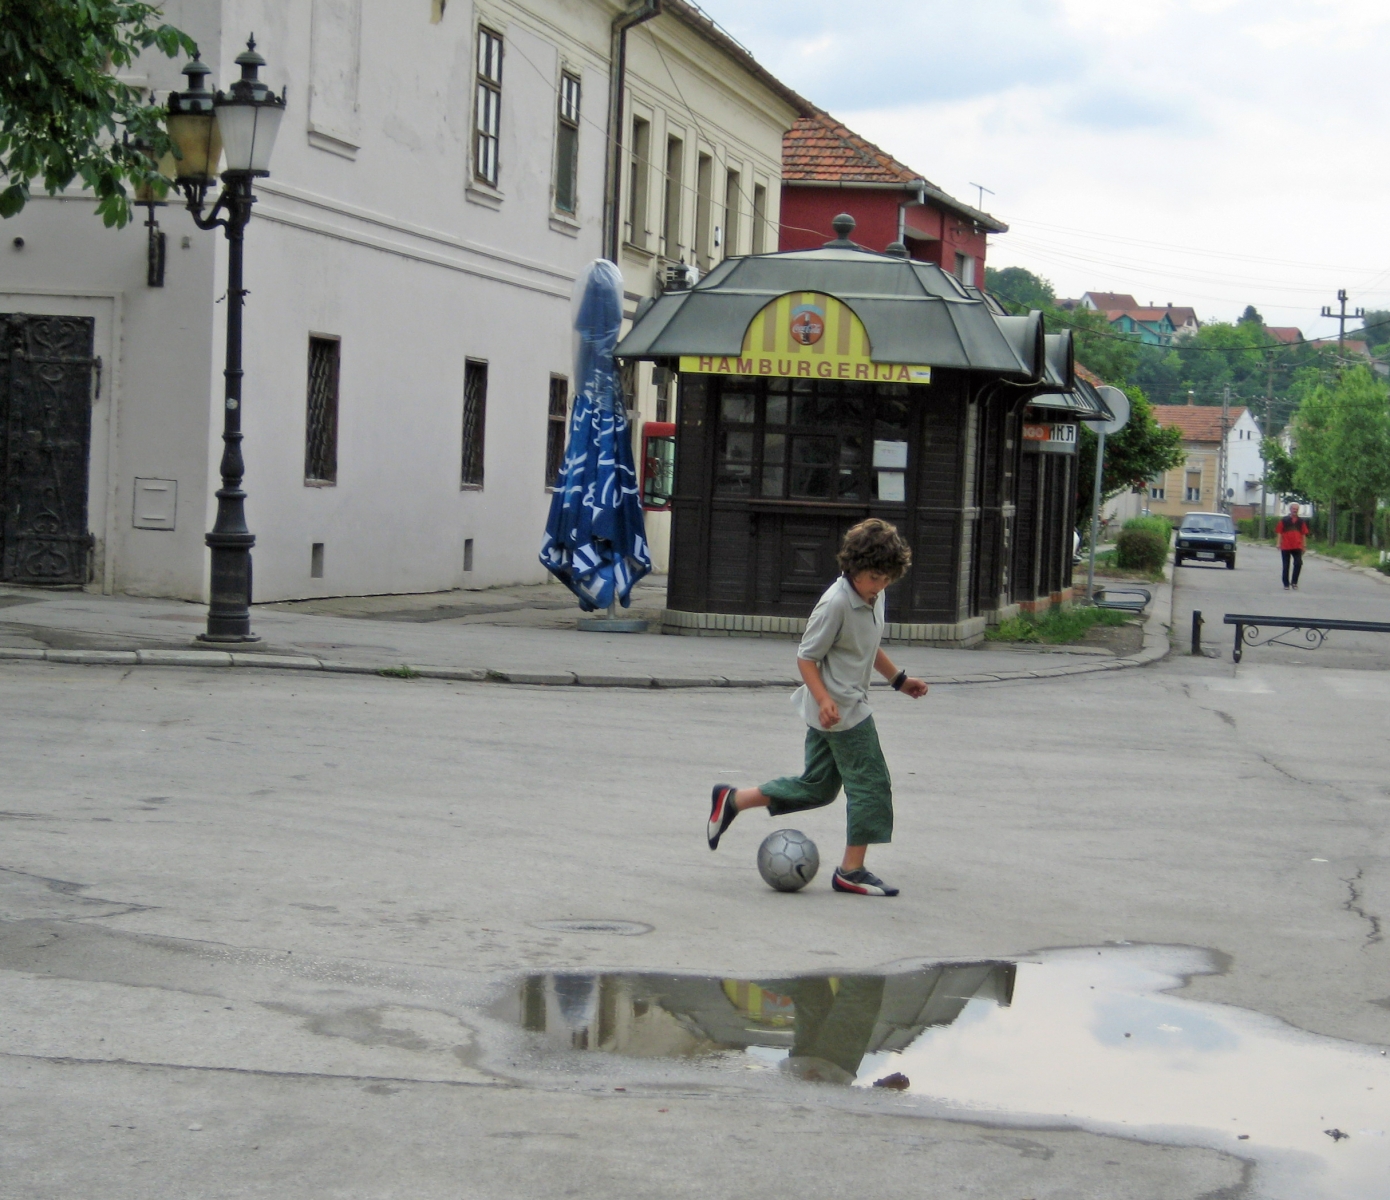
[241,123]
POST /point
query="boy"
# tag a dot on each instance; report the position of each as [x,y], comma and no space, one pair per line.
[837,652]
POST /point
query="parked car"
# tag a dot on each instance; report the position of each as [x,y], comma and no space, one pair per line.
[1206,537]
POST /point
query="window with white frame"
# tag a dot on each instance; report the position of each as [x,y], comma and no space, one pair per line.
[488,116]
[759,218]
[731,206]
[671,245]
[1157,488]
[637,184]
[567,145]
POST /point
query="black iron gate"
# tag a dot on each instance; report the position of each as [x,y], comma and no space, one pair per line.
[45,441]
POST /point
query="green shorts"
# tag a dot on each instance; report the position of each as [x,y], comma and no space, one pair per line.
[851,759]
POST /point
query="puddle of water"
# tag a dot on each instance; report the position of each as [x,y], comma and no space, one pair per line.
[1088,1036]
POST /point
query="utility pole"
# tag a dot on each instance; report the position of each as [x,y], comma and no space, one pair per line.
[1221,458]
[1343,317]
[1264,433]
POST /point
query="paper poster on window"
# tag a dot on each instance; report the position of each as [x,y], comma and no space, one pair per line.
[892,485]
[890,454]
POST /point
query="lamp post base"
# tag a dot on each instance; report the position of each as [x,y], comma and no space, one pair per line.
[228,637]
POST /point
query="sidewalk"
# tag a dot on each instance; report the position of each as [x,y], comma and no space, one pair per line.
[520,635]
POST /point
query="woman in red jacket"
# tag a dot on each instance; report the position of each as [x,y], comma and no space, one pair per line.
[1293,535]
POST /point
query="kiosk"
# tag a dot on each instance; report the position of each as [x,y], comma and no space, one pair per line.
[821,387]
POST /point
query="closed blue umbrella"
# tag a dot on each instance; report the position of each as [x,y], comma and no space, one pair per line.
[595,540]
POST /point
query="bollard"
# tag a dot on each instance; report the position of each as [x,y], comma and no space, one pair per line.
[1196,633]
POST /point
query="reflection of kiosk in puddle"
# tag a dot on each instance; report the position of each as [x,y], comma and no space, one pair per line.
[826,1024]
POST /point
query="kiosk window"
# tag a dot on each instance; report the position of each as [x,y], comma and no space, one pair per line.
[813,439]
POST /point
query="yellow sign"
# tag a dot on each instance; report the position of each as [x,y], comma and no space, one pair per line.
[806,335]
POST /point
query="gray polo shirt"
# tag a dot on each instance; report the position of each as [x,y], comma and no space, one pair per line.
[842,637]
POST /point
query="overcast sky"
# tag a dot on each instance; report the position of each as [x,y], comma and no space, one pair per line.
[1216,153]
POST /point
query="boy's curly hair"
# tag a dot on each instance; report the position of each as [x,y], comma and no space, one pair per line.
[875,545]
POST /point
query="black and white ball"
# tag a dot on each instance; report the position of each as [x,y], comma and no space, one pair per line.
[788,860]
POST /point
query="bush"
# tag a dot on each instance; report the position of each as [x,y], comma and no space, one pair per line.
[1157,525]
[1140,549]
[1250,526]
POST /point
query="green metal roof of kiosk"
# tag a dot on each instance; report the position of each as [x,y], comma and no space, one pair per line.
[912,312]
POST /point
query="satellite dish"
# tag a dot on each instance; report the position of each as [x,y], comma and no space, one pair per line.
[1118,403]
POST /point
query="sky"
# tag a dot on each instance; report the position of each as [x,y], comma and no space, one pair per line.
[1211,153]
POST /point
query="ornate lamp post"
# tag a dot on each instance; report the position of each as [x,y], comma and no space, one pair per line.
[242,123]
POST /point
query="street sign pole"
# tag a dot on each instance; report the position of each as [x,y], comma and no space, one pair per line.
[1118,403]
[1095,516]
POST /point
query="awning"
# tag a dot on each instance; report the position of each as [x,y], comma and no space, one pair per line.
[911,312]
[1083,400]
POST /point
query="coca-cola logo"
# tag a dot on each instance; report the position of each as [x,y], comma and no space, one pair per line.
[808,324]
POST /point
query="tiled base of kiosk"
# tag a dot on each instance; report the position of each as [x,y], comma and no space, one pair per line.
[956,636]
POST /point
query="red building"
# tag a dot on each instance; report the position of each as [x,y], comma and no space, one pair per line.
[829,169]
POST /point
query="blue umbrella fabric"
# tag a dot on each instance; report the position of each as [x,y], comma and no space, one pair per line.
[595,540]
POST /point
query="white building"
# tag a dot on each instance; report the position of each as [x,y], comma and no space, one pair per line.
[1197,485]
[438,182]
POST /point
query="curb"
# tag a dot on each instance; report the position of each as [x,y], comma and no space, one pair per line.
[1156,646]
[1369,572]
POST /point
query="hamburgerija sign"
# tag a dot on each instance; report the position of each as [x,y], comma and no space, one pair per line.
[806,335]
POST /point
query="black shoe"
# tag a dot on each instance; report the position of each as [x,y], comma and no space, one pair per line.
[860,883]
[721,813]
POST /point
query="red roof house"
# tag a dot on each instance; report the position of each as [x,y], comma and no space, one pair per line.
[1285,335]
[828,169]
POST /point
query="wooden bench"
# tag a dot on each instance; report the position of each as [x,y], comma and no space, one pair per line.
[1314,629]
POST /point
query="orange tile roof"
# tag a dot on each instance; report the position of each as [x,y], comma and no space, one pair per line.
[1285,334]
[820,149]
[1111,300]
[1139,314]
[1198,422]
[1089,376]
[1348,347]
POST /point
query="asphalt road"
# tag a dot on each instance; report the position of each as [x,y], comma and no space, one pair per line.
[1326,589]
[248,920]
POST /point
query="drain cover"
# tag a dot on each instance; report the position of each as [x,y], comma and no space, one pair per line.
[594,925]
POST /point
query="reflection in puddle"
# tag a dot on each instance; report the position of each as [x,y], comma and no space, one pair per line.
[820,1026]
[1086,1035]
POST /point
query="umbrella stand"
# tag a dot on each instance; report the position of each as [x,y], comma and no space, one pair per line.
[611,623]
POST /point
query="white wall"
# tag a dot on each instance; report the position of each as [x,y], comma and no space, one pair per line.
[1244,466]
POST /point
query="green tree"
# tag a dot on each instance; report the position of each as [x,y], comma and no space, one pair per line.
[1375,332]
[1141,450]
[1021,287]
[1281,469]
[1343,436]
[64,114]
[1251,316]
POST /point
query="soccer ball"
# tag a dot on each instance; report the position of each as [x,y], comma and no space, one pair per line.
[788,860]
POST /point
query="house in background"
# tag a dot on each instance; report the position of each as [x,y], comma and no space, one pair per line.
[1153,324]
[828,169]
[1197,485]
[1285,335]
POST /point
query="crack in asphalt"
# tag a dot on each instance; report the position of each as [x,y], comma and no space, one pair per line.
[1353,905]
[67,1060]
